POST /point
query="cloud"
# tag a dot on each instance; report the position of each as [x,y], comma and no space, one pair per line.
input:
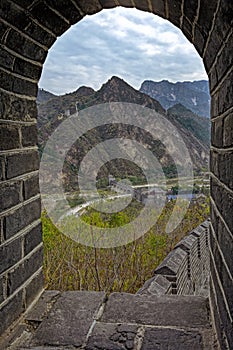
[132,44]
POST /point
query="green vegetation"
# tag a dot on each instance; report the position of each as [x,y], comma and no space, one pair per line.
[71,266]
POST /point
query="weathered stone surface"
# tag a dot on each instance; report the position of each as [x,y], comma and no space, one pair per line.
[112,337]
[89,7]
[11,311]
[9,136]
[49,19]
[44,304]
[190,9]
[156,285]
[25,47]
[21,218]
[31,187]
[172,263]
[24,270]
[158,7]
[21,163]
[174,339]
[228,131]
[70,319]
[32,239]
[10,254]
[10,195]
[33,288]
[184,311]
[70,12]
[15,108]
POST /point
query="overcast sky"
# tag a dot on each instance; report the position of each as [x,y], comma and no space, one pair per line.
[131,44]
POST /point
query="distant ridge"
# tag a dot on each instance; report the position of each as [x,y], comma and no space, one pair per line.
[193,95]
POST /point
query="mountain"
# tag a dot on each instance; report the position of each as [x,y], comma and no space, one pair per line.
[56,110]
[198,126]
[193,95]
[44,96]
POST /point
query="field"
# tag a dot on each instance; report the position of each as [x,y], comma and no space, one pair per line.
[69,265]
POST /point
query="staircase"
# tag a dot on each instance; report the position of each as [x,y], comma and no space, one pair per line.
[121,321]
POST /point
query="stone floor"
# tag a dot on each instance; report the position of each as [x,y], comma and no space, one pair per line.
[93,321]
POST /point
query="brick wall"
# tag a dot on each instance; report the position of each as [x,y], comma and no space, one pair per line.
[27,29]
[186,269]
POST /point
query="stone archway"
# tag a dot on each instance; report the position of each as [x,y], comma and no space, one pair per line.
[28,29]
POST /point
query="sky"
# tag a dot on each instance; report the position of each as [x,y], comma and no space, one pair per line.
[128,43]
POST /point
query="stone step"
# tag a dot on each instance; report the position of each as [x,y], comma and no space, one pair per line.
[93,321]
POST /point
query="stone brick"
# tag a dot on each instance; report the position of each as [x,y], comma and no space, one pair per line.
[217,133]
[89,7]
[165,310]
[42,306]
[21,163]
[215,105]
[159,7]
[2,284]
[174,9]
[224,202]
[23,3]
[108,4]
[2,168]
[141,5]
[7,81]
[40,34]
[74,308]
[213,48]
[225,94]
[69,11]
[204,20]
[25,47]
[224,240]
[214,168]
[9,136]
[32,239]
[125,3]
[6,59]
[228,131]
[225,60]
[168,338]
[16,108]
[225,320]
[213,78]
[29,135]
[26,69]
[33,288]
[190,9]
[200,39]
[226,280]
[24,87]
[11,311]
[18,16]
[217,318]
[48,18]
[10,194]
[22,217]
[112,336]
[187,29]
[31,187]
[24,271]
[225,165]
[10,254]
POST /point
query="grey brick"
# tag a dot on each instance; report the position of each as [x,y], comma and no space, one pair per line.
[10,254]
[10,195]
[32,239]
[21,218]
[24,271]
[21,163]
